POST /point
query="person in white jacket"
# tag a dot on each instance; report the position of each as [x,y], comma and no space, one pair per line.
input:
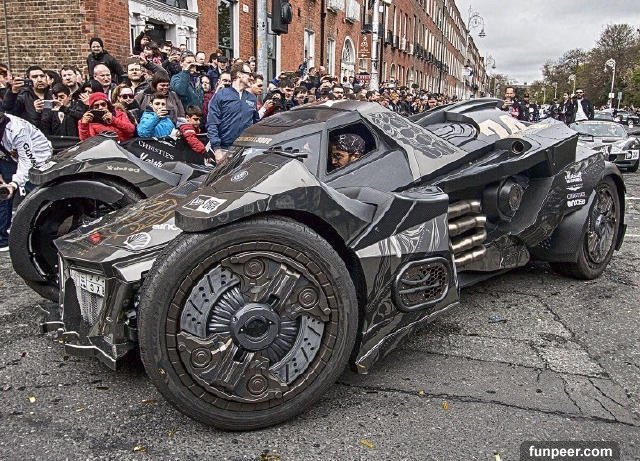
[22,147]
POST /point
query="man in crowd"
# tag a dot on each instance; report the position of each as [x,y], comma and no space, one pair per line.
[565,109]
[69,79]
[22,147]
[512,105]
[99,55]
[26,98]
[530,110]
[582,107]
[231,111]
[220,67]
[102,75]
[190,94]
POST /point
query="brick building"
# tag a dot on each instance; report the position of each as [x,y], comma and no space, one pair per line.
[421,42]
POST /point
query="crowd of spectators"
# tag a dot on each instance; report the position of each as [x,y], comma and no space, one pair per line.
[161,88]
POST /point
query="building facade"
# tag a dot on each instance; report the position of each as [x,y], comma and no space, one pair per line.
[422,43]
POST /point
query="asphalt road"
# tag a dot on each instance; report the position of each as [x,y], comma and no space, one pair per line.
[527,356]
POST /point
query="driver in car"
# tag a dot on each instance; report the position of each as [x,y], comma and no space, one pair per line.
[344,149]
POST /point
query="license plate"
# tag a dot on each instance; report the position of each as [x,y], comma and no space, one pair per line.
[88,282]
[633,155]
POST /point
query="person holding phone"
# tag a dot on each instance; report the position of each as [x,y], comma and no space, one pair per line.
[25,99]
[155,121]
[61,118]
[101,117]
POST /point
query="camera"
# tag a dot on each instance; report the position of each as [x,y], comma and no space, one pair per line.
[28,83]
[4,193]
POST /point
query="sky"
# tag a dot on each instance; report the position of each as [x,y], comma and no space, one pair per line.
[522,35]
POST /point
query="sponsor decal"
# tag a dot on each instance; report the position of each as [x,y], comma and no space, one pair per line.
[154,149]
[256,139]
[137,241]
[204,204]
[572,178]
[166,226]
[239,176]
[576,202]
[123,168]
[573,195]
[146,158]
[574,188]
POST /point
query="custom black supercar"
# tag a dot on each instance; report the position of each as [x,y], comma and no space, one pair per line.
[84,182]
[249,292]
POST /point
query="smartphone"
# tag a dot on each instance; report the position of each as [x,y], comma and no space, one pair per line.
[97,115]
[47,103]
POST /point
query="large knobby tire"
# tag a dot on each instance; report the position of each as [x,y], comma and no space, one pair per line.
[248,325]
[600,236]
[48,213]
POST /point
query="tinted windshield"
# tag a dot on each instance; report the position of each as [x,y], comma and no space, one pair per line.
[602,130]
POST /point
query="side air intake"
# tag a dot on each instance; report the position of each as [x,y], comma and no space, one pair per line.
[420,284]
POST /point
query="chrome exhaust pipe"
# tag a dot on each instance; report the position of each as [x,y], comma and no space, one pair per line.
[468,242]
[467,223]
[464,207]
[470,256]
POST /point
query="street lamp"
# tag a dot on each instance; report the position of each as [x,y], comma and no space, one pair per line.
[555,89]
[611,63]
[474,20]
[491,63]
[572,78]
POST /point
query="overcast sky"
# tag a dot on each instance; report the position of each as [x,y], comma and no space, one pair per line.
[522,35]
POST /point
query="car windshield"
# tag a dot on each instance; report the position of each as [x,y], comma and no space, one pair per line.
[601,130]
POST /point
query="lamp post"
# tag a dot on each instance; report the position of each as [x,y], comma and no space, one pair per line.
[611,63]
[491,63]
[474,20]
[555,90]
[572,78]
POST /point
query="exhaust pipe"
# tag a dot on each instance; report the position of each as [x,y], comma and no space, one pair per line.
[467,223]
[464,207]
[470,256]
[468,242]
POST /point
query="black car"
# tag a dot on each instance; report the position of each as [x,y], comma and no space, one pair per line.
[248,294]
[626,118]
[81,184]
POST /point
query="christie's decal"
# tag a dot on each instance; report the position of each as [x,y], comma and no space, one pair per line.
[204,204]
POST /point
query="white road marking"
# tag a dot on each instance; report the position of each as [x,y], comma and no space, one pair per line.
[632,198]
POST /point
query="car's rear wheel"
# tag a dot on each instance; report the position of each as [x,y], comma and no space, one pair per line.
[246,326]
[600,236]
[51,212]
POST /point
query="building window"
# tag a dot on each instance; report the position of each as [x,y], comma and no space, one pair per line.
[309,47]
[331,56]
[348,61]
[225,27]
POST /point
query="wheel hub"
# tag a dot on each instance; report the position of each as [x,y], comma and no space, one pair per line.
[255,326]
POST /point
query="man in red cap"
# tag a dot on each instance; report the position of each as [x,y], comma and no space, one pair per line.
[102,117]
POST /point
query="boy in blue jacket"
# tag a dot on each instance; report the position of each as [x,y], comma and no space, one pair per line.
[155,121]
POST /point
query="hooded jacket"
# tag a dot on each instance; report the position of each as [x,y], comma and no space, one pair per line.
[121,125]
[151,125]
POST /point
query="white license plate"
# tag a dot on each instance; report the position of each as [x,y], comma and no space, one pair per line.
[88,282]
[633,155]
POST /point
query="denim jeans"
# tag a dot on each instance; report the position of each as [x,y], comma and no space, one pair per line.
[7,170]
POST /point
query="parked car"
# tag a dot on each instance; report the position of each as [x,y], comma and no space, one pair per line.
[603,115]
[614,140]
[83,183]
[249,295]
[626,118]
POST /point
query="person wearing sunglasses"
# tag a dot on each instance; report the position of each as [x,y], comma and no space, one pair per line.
[124,99]
[102,117]
[582,107]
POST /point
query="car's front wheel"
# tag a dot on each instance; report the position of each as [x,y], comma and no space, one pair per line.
[51,212]
[600,236]
[246,326]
